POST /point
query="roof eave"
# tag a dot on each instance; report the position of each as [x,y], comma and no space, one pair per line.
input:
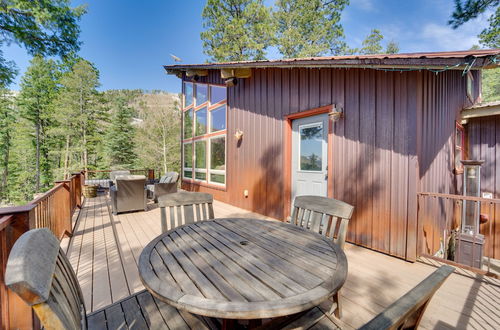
[410,63]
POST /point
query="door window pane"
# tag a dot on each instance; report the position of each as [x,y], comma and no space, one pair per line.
[188,124]
[218,119]
[218,154]
[188,94]
[188,155]
[217,94]
[311,147]
[201,122]
[218,178]
[201,94]
[200,154]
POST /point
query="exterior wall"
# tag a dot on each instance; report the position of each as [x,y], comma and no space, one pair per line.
[484,143]
[443,96]
[376,146]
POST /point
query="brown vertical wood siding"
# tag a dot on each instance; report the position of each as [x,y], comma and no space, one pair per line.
[393,121]
[484,143]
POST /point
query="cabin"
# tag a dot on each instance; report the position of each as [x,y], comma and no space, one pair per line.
[385,133]
[404,138]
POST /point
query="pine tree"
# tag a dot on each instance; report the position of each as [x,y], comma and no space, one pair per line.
[121,134]
[392,47]
[371,45]
[8,72]
[7,120]
[77,113]
[236,30]
[310,27]
[46,28]
[471,9]
[491,85]
[35,100]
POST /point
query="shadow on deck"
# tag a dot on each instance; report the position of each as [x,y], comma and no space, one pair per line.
[105,249]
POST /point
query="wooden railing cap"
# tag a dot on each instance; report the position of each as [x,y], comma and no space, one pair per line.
[16,209]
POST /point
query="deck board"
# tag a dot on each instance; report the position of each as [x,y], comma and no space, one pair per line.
[106,248]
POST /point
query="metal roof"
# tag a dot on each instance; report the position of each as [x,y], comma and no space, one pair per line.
[474,59]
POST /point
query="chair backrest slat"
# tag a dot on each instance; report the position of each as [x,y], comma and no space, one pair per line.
[188,213]
[316,218]
[39,272]
[319,214]
[193,204]
[407,311]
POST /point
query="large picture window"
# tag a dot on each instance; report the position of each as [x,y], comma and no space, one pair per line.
[204,133]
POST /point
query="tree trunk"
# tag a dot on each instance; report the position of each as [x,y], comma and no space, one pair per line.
[5,173]
[85,151]
[164,140]
[37,138]
[66,157]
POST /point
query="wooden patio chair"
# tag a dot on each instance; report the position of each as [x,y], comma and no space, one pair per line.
[40,273]
[407,311]
[328,217]
[187,207]
[404,313]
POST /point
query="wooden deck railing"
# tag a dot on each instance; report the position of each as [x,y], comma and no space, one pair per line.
[54,210]
[440,218]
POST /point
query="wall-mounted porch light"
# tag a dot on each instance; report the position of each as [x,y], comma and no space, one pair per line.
[230,82]
[336,113]
[238,135]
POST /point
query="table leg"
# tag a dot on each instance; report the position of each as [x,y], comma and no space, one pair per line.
[228,324]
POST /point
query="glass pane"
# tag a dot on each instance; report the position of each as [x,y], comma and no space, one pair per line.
[188,94]
[217,94]
[201,151]
[458,137]
[311,146]
[188,174]
[200,175]
[218,154]
[188,155]
[201,94]
[188,124]
[219,178]
[458,158]
[201,122]
[218,119]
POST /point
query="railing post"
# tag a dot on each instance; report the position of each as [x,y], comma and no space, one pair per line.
[62,207]
[15,313]
[78,189]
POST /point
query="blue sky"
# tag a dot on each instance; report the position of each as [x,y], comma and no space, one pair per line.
[130,40]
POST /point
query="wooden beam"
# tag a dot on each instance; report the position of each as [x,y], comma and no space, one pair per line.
[197,72]
[481,111]
[236,73]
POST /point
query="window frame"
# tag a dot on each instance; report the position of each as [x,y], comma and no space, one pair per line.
[183,161]
[212,171]
[459,145]
[208,136]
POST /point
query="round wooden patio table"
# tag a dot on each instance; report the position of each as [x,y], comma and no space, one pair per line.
[242,268]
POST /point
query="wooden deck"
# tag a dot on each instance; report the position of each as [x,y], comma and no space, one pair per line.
[105,249]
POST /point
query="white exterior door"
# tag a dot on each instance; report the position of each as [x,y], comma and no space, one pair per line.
[310,156]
